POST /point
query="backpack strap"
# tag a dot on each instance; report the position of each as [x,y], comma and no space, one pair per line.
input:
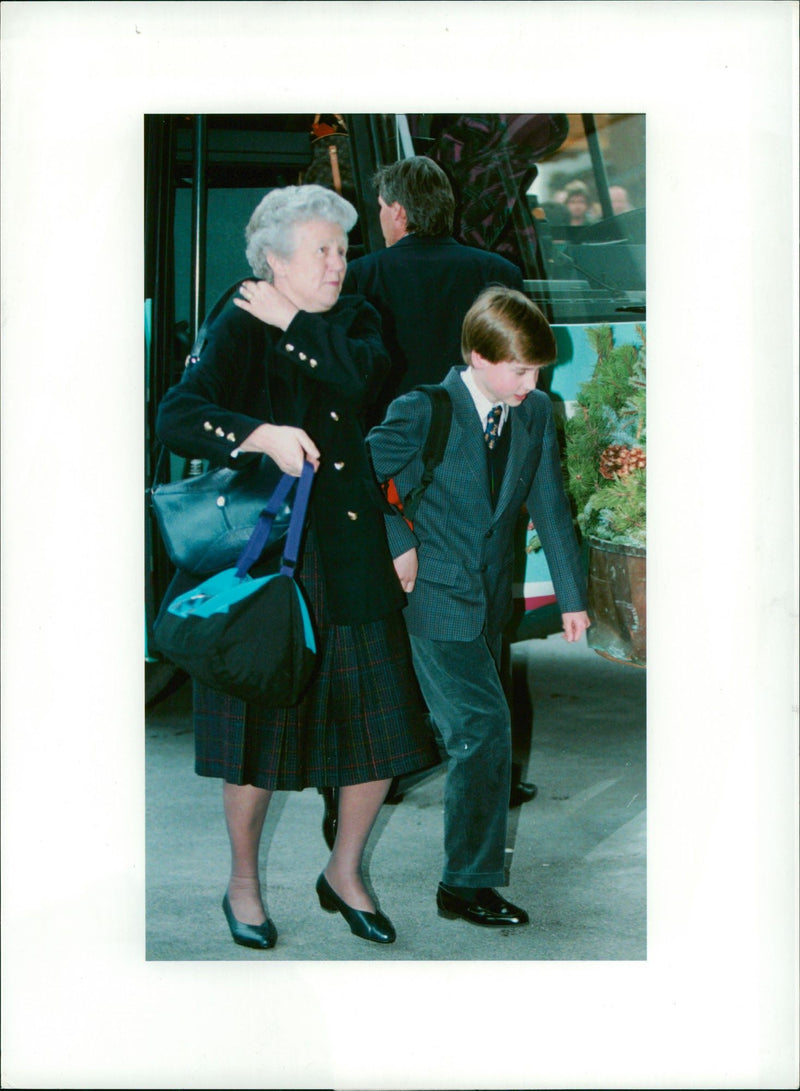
[435,443]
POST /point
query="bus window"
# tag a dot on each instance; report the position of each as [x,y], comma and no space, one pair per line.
[588,200]
[561,195]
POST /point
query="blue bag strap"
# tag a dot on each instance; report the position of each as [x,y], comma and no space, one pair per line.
[295,532]
[258,539]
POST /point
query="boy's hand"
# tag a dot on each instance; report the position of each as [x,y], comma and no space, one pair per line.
[406,566]
[575,625]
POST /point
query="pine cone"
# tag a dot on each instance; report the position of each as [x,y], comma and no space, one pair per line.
[619,461]
[611,461]
[637,459]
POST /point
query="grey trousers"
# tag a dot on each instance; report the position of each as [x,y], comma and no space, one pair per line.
[464,694]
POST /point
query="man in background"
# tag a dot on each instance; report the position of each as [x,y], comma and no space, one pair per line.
[424,282]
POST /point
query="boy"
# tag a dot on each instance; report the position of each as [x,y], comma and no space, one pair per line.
[456,566]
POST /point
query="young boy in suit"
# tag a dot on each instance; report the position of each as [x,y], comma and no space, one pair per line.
[456,567]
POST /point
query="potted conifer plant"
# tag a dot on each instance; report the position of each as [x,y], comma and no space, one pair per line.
[606,468]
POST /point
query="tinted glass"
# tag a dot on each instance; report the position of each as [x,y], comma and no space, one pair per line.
[561,195]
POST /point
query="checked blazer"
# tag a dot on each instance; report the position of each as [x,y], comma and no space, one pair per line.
[464,545]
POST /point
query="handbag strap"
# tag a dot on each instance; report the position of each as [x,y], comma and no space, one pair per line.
[258,539]
[202,334]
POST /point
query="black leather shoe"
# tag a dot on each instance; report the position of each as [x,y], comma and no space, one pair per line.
[330,819]
[485,907]
[371,926]
[521,792]
[262,936]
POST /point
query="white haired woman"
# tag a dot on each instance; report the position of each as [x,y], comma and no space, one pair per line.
[288,371]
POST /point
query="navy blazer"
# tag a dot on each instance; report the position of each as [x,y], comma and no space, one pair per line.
[320,374]
[465,546]
[422,287]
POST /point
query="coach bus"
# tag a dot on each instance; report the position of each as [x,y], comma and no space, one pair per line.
[561,195]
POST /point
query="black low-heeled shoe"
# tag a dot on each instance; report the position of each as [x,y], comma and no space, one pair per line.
[263,936]
[372,926]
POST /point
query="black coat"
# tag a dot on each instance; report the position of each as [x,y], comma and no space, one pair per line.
[422,287]
[319,375]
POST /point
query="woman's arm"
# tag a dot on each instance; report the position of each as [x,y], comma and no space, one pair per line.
[341,347]
[219,409]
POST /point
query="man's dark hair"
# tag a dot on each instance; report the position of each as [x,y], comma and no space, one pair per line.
[424,191]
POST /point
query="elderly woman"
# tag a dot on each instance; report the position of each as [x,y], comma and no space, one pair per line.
[288,372]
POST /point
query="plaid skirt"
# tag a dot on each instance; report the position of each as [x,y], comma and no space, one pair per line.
[362,718]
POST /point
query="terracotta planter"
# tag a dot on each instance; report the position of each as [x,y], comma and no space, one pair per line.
[618,602]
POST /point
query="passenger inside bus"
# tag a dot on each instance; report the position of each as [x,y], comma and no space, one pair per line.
[578,204]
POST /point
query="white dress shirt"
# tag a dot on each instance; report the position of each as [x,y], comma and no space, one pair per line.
[482,404]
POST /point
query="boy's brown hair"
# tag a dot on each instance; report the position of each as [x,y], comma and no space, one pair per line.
[503,324]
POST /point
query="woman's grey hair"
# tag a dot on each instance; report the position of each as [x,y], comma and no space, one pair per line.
[271,225]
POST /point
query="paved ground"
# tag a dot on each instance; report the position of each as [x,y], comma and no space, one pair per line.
[577,853]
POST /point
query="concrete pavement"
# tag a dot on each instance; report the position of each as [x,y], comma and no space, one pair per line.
[577,853]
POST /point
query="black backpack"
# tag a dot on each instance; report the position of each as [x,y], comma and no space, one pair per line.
[432,454]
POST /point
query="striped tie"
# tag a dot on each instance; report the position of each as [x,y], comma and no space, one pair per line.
[490,432]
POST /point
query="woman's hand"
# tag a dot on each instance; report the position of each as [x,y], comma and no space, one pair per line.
[406,566]
[266,303]
[288,447]
[575,625]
